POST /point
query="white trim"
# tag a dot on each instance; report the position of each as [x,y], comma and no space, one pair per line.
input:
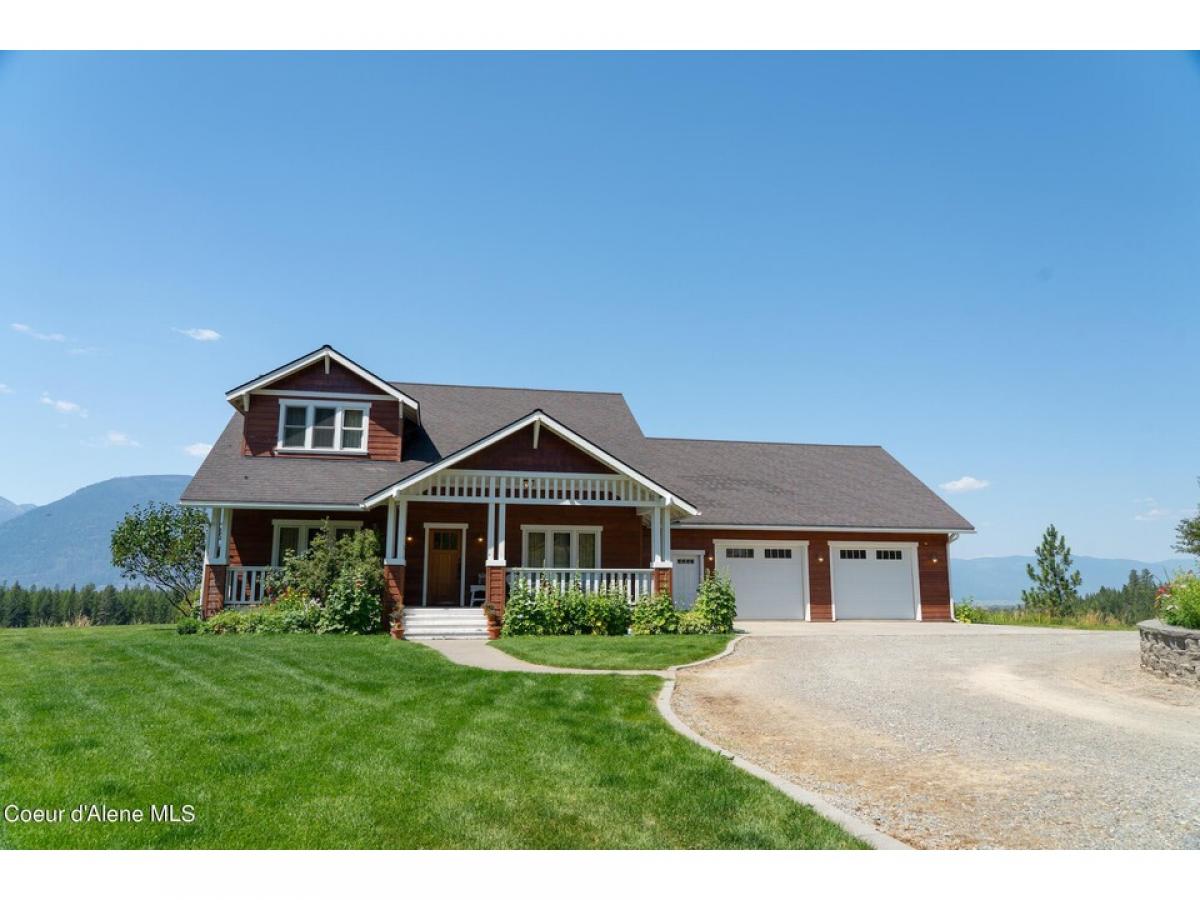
[305,525]
[319,395]
[843,528]
[315,507]
[575,531]
[580,443]
[339,407]
[462,560]
[914,563]
[719,547]
[327,353]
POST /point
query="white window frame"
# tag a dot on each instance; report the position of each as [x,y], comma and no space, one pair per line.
[310,406]
[548,530]
[913,561]
[306,526]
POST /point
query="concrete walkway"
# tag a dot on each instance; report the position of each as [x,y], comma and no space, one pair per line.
[480,654]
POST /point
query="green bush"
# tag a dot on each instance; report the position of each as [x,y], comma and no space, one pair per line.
[654,614]
[716,605]
[1179,601]
[187,626]
[351,606]
[692,622]
[966,611]
[227,621]
[313,574]
[520,611]
[607,613]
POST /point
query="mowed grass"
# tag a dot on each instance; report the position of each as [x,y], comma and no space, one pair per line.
[341,742]
[638,651]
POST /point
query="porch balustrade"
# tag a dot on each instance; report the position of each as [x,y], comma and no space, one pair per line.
[460,485]
[633,583]
[244,585]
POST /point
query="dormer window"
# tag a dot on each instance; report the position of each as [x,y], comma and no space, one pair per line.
[322,427]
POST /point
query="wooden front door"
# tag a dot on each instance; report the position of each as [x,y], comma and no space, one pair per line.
[445,567]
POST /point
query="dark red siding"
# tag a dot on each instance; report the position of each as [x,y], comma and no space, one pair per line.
[516,452]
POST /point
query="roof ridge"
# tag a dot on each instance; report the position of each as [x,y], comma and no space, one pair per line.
[501,387]
[764,443]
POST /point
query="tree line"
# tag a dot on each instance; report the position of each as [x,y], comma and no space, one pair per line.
[22,607]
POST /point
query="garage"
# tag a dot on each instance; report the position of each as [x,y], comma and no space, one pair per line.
[875,581]
[770,578]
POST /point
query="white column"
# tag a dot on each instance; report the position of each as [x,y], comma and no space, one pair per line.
[389,548]
[656,534]
[491,533]
[226,524]
[500,532]
[666,537]
[401,531]
[210,542]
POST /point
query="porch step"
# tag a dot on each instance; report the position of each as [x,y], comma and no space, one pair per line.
[444,623]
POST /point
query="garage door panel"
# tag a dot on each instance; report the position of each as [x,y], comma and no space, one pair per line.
[873,582]
[768,580]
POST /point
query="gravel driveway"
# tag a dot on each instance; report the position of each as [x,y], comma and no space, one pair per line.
[965,735]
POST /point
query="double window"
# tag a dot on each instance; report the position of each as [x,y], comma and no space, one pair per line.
[319,427]
[546,547]
[294,536]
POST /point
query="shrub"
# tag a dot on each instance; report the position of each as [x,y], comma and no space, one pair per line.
[607,613]
[692,622]
[351,606]
[227,621]
[520,611]
[1179,601]
[716,605]
[654,614]
[187,626]
[966,611]
[314,574]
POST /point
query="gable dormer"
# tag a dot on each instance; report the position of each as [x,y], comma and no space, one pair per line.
[323,405]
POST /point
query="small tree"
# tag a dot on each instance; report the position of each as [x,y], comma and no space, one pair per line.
[1187,534]
[1055,583]
[164,545]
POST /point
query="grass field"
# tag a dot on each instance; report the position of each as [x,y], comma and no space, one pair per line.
[323,741]
[653,651]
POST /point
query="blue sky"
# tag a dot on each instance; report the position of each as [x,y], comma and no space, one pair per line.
[987,263]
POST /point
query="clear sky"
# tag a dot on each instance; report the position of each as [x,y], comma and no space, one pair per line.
[986,263]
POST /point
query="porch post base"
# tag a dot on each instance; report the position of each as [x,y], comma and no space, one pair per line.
[662,579]
[393,604]
[212,590]
[494,596]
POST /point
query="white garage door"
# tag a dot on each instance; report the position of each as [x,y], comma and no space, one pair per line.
[768,577]
[874,582]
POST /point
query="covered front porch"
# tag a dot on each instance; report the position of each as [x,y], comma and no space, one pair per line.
[464,538]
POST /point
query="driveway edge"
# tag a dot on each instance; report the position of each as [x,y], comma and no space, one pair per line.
[803,796]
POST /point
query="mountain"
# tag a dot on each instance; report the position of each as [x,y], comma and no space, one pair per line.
[66,542]
[1000,579]
[10,510]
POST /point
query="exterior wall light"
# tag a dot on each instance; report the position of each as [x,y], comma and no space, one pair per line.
[820,559]
[409,538]
[935,559]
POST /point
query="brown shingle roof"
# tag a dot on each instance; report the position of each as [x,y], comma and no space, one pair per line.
[731,482]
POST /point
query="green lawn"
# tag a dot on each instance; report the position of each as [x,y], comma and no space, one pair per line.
[655,651]
[323,741]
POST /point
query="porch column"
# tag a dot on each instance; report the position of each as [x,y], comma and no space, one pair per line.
[663,567]
[656,535]
[393,565]
[216,548]
[212,590]
[501,526]
[491,533]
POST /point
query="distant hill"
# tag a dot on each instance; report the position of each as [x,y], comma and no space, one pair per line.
[10,510]
[1000,579]
[66,542]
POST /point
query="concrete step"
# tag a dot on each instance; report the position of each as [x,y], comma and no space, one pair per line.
[445,623]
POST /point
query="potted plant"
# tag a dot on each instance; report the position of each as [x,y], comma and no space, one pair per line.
[397,619]
[495,620]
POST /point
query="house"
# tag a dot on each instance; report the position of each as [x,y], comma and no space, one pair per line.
[472,488]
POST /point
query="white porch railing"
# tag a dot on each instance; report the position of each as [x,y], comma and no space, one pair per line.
[556,489]
[634,583]
[244,585]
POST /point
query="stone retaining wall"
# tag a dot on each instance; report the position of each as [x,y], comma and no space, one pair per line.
[1171,652]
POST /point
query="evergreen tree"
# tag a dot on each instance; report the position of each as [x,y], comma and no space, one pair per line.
[1187,535]
[1055,583]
